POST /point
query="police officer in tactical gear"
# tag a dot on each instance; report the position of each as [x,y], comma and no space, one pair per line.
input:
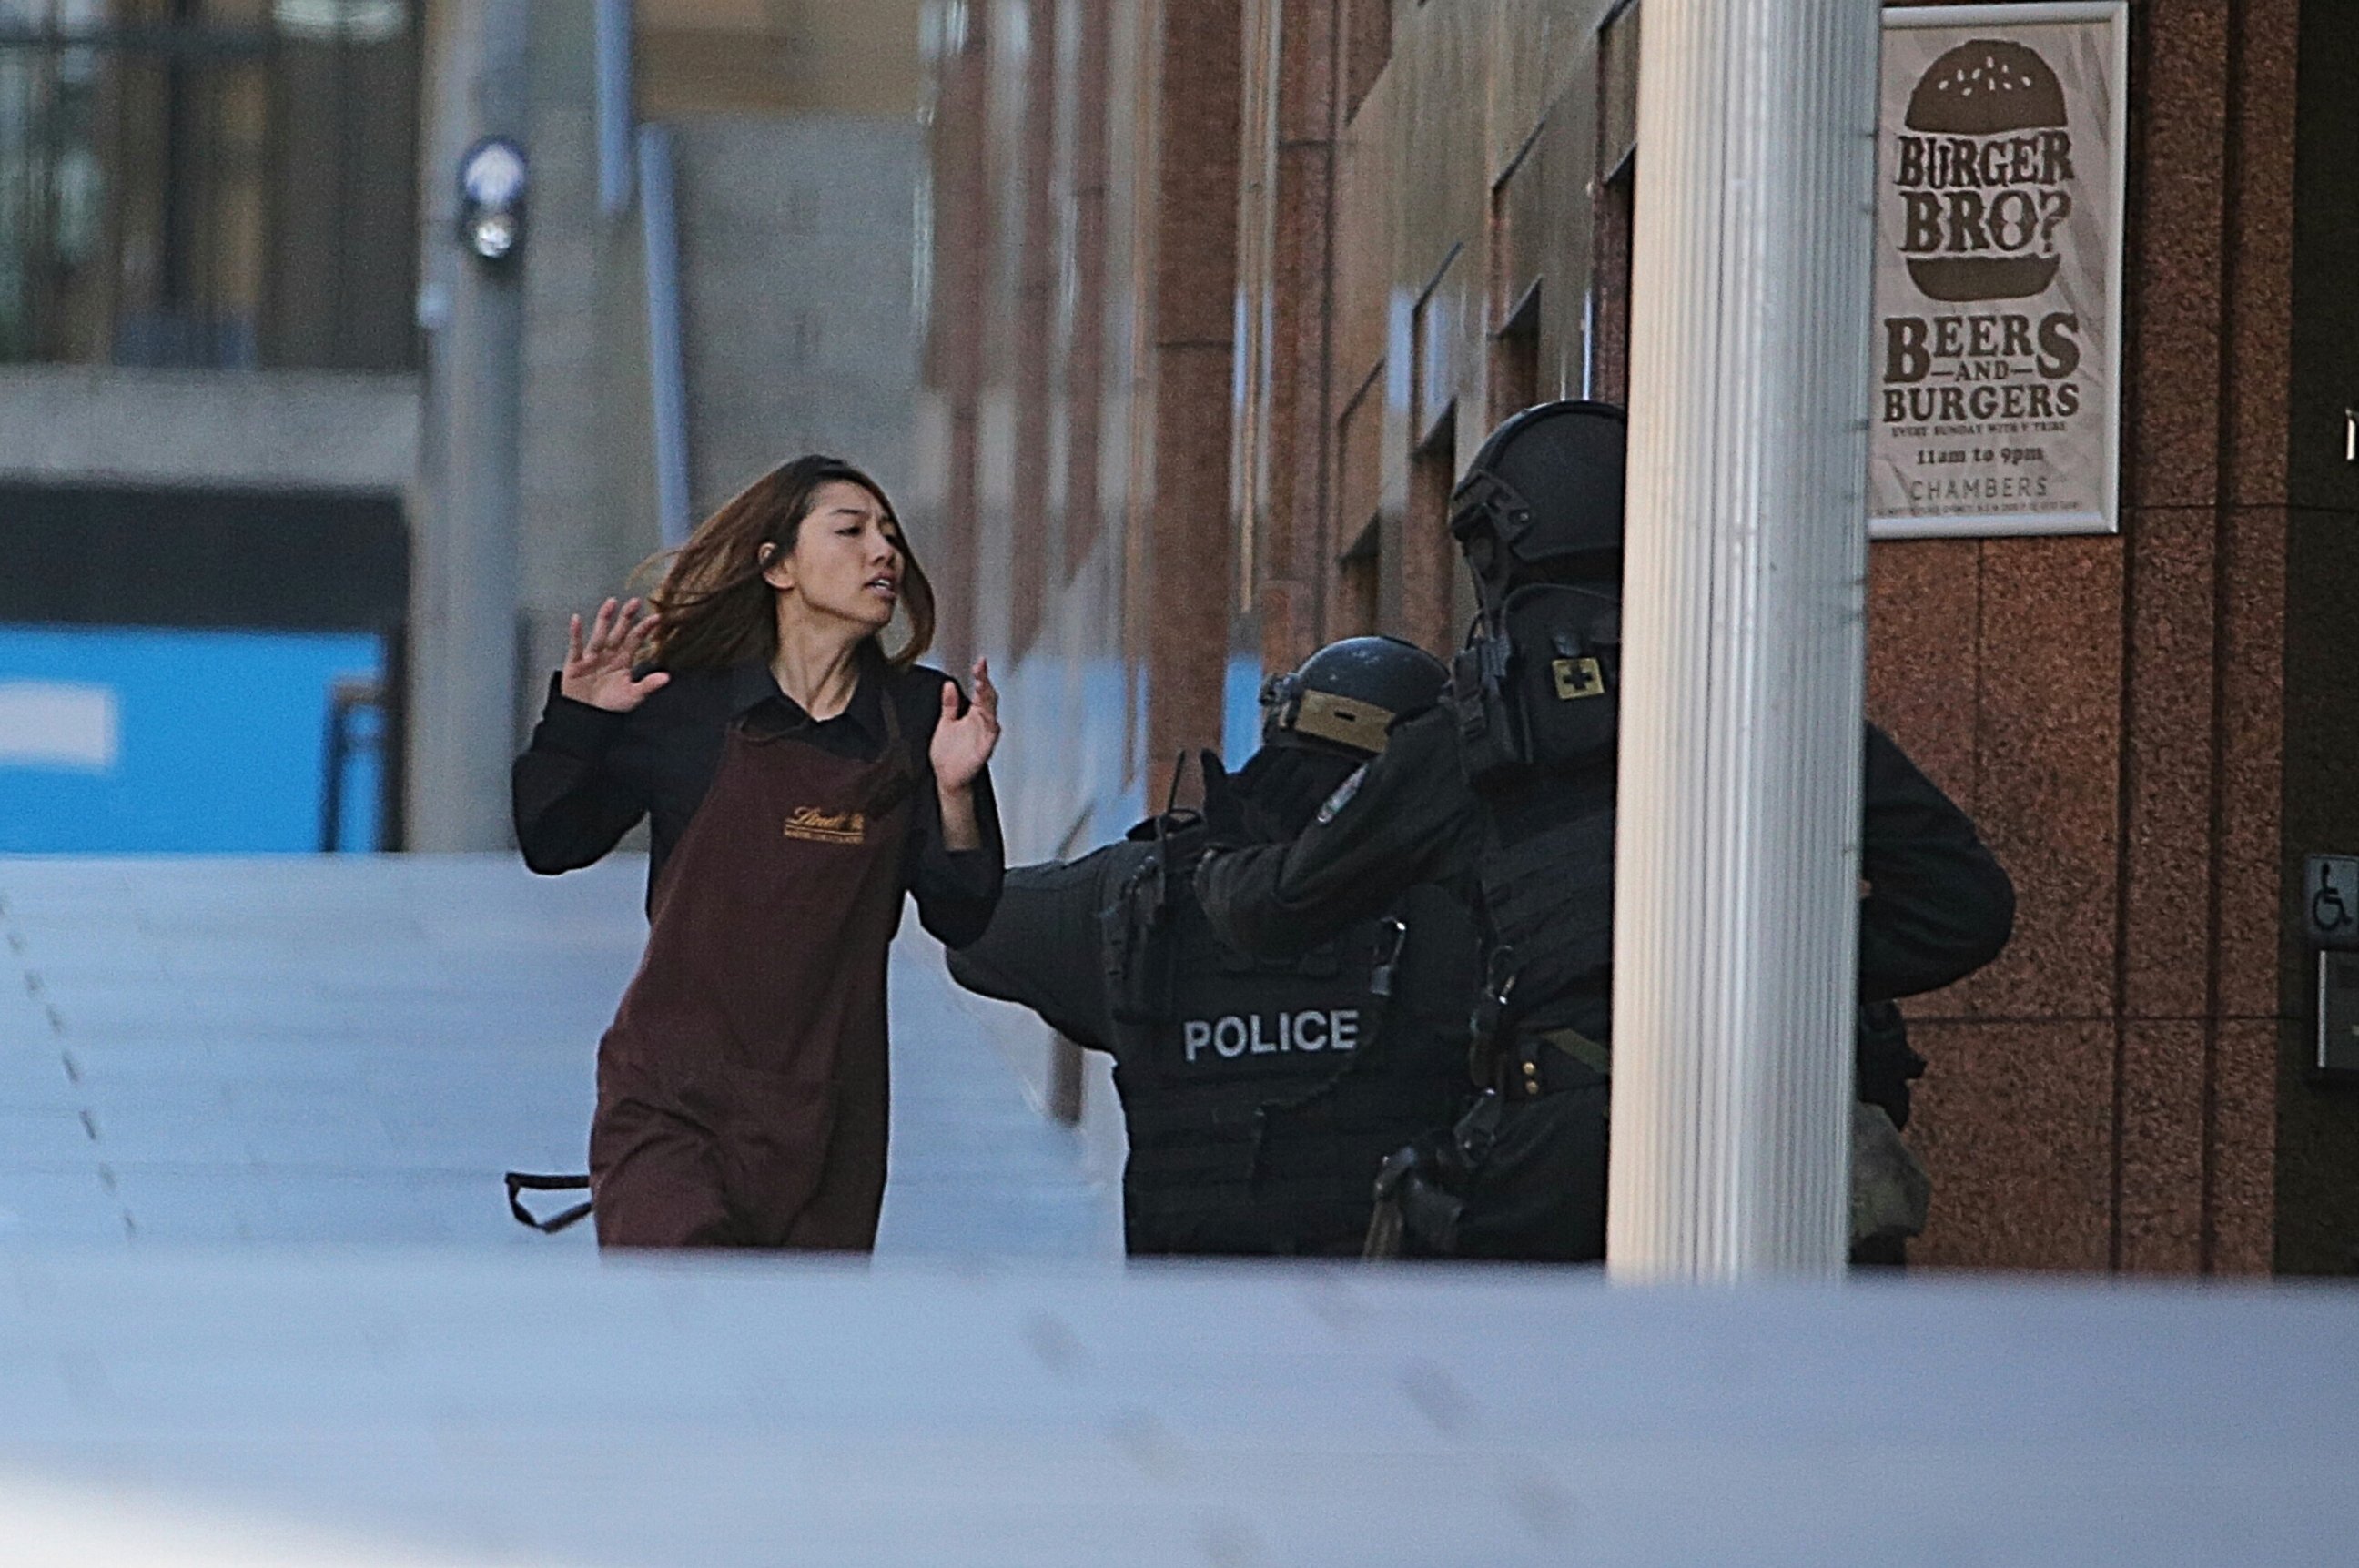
[1261,1096]
[1503,795]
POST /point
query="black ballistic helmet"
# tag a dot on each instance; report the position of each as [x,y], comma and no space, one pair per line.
[1347,694]
[1543,498]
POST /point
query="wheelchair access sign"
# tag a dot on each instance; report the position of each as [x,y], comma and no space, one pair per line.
[2330,900]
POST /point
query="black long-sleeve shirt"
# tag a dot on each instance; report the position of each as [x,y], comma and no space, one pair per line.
[1046,948]
[590,774]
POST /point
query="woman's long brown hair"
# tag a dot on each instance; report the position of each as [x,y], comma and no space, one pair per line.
[714,604]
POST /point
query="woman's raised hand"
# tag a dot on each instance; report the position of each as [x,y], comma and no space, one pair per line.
[963,743]
[598,668]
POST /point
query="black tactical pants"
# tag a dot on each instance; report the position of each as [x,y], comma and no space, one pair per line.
[1538,1193]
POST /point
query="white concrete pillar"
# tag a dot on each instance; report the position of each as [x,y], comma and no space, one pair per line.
[1736,882]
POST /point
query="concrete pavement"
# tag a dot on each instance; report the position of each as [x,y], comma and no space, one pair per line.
[323,1049]
[261,1305]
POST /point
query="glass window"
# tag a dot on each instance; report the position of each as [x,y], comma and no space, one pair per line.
[215,183]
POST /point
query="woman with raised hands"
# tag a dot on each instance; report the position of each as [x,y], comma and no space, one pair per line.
[800,783]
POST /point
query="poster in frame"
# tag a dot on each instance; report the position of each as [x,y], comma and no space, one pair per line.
[1995,389]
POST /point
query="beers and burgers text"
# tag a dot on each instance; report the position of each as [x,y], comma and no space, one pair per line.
[2004,364]
[1982,172]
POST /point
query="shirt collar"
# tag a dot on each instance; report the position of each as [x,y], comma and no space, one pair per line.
[751,686]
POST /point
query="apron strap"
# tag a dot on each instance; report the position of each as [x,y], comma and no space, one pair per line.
[521,1182]
[912,765]
[892,719]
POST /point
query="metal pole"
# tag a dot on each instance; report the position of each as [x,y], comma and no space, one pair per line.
[1736,930]
[331,777]
[464,721]
[667,355]
[613,22]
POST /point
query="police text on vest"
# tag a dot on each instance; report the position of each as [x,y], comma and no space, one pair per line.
[1252,1034]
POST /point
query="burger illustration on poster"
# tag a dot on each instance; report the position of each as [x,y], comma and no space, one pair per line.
[1994,274]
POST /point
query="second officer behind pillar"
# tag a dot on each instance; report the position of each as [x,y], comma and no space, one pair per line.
[1503,795]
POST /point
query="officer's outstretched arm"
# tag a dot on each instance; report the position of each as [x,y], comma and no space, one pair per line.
[1397,822]
[1939,905]
[1041,948]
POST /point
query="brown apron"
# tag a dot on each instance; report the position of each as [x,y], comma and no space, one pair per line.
[742,1089]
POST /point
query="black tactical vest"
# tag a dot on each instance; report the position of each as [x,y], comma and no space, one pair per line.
[1547,880]
[1538,697]
[1537,700]
[1540,686]
[1262,1097]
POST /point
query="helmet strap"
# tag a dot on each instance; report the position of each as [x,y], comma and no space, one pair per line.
[1491,512]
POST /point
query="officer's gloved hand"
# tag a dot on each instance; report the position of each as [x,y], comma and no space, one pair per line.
[1284,786]
[1225,807]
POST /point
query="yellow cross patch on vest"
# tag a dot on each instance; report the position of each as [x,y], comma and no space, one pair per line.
[1577,678]
[828,827]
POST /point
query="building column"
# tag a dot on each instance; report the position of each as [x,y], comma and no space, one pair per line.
[1736,885]
[1200,104]
[1299,456]
[462,723]
[1085,355]
[963,247]
[1037,351]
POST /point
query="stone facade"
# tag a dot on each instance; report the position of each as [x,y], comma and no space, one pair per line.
[1338,238]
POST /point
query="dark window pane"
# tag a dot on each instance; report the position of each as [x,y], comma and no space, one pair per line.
[221,185]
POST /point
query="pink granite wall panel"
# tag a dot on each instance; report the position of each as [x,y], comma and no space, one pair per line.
[2169,779]
[2048,777]
[1196,237]
[1297,392]
[2241,1193]
[1924,609]
[2252,876]
[1199,122]
[2162,1130]
[1189,631]
[2260,250]
[2015,1123]
[2173,345]
[1307,103]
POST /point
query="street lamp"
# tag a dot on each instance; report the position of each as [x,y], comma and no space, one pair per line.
[491,200]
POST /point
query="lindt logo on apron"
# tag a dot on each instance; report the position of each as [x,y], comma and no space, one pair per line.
[811,823]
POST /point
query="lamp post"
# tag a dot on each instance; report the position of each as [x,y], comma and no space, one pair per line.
[463,726]
[492,180]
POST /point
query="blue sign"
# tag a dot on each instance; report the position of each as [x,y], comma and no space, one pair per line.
[134,740]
